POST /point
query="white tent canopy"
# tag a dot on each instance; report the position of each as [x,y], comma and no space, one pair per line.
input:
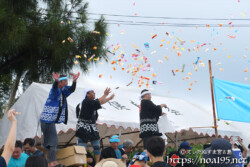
[120,116]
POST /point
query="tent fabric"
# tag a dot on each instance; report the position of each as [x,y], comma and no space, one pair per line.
[119,116]
[232,100]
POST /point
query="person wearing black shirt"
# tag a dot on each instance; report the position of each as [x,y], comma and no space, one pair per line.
[155,151]
[87,115]
[149,116]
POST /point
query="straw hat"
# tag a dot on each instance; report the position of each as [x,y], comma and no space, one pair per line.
[110,162]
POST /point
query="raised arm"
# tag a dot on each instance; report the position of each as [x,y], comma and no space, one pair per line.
[244,153]
[104,98]
[75,77]
[11,140]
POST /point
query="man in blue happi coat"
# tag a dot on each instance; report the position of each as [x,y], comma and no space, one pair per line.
[55,111]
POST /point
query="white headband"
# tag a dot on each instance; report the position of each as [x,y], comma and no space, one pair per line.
[86,91]
[146,92]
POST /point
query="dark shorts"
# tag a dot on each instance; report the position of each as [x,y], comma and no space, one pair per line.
[50,135]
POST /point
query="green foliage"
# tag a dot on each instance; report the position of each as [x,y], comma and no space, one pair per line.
[196,154]
[31,39]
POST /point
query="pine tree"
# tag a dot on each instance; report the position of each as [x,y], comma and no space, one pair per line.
[34,42]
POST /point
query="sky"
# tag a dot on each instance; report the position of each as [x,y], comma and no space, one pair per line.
[227,45]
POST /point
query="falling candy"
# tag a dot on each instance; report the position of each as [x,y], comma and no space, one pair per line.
[129,83]
[146,45]
[70,40]
[173,72]
[154,36]
[183,68]
[197,60]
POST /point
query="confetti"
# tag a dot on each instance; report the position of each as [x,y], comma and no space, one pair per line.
[63,41]
[197,60]
[154,52]
[76,62]
[78,56]
[97,32]
[146,45]
[70,40]
[246,70]
[94,47]
[189,73]
[173,72]
[154,36]
[160,61]
[129,83]
[183,66]
[62,22]
[18,113]
[100,75]
[221,69]
[154,75]
[229,97]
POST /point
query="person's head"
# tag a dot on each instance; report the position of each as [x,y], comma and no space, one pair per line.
[139,159]
[18,150]
[145,94]
[185,148]
[29,145]
[90,94]
[220,149]
[249,146]
[128,145]
[36,161]
[155,147]
[63,81]
[110,162]
[114,142]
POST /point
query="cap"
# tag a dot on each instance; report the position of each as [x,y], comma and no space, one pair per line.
[114,139]
[185,145]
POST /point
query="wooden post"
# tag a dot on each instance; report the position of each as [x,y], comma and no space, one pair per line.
[212,90]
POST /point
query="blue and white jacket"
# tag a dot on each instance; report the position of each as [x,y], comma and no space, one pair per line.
[56,109]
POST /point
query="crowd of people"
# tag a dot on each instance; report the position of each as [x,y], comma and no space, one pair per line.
[18,154]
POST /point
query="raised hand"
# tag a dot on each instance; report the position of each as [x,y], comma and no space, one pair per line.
[107,91]
[12,115]
[75,76]
[56,76]
[163,105]
[112,96]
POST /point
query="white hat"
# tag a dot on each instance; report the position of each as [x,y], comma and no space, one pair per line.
[86,91]
[110,162]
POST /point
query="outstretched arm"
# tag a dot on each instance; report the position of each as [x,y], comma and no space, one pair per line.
[163,106]
[11,140]
[244,154]
[108,99]
[104,98]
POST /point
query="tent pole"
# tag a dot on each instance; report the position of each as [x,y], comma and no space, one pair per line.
[212,91]
[176,140]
